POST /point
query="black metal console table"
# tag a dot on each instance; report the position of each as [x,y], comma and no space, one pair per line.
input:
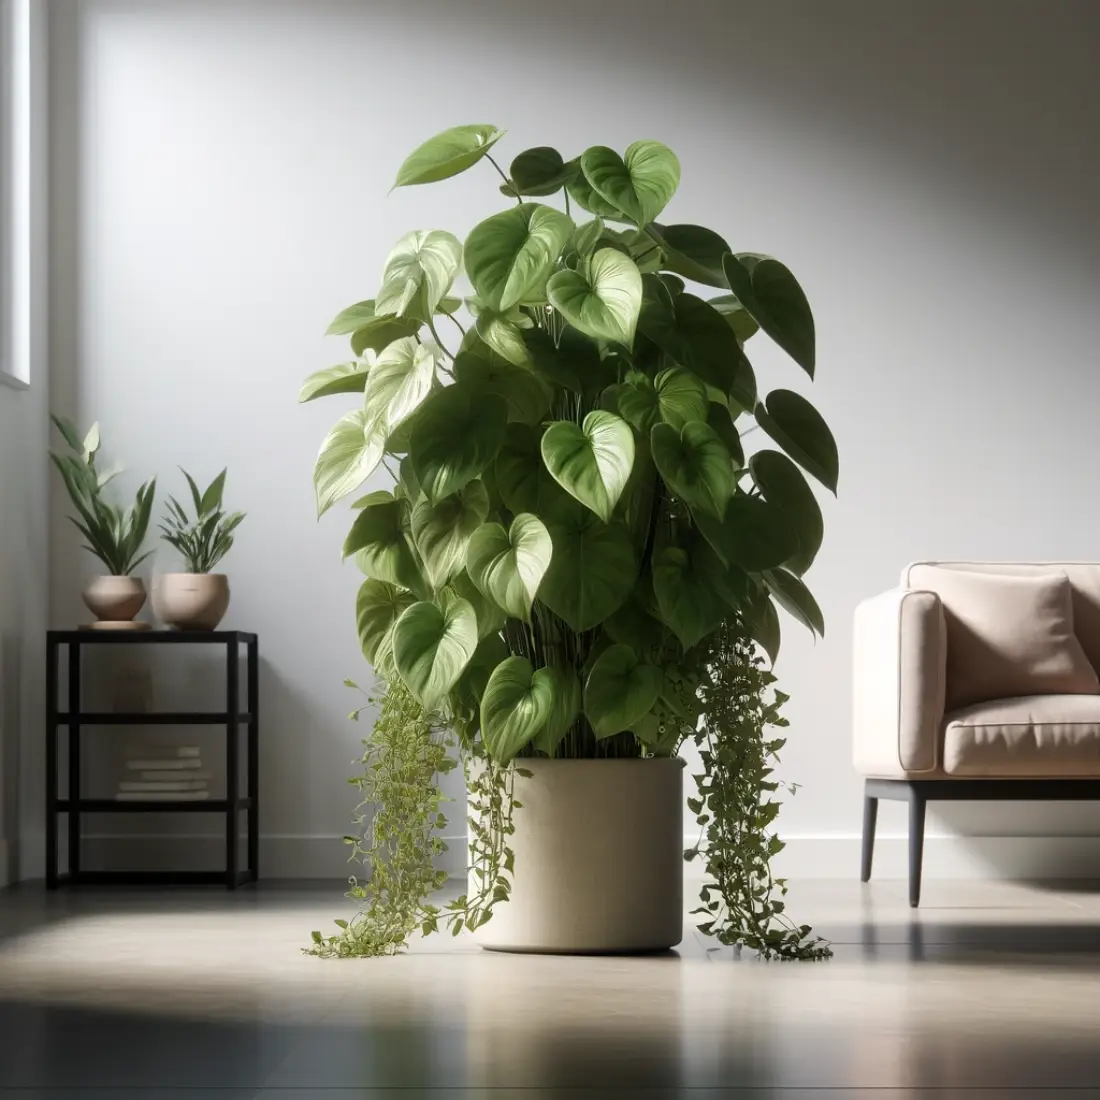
[232,718]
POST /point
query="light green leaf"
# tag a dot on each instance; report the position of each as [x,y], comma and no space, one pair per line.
[592,572]
[447,154]
[698,338]
[582,193]
[603,302]
[565,694]
[490,618]
[378,496]
[784,485]
[591,462]
[348,320]
[380,540]
[639,185]
[587,236]
[91,442]
[378,606]
[418,273]
[457,433]
[510,255]
[737,317]
[620,690]
[675,396]
[432,645]
[793,596]
[508,566]
[343,378]
[539,171]
[442,531]
[685,595]
[526,393]
[515,705]
[695,464]
[348,456]
[694,252]
[400,379]
[502,333]
[800,430]
[768,290]
[379,333]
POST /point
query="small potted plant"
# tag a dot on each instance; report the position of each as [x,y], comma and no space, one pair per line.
[113,534]
[199,598]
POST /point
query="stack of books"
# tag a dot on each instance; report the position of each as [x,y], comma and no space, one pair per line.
[164,773]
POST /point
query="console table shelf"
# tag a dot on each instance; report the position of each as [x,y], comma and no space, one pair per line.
[74,719]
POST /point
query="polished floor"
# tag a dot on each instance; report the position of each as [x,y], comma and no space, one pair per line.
[990,990]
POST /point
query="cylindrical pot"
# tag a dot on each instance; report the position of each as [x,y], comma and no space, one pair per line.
[191,601]
[115,599]
[599,862]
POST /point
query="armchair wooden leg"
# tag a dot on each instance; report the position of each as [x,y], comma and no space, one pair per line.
[870,819]
[916,845]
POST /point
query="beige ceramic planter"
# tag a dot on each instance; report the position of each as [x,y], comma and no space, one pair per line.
[191,601]
[115,599]
[599,859]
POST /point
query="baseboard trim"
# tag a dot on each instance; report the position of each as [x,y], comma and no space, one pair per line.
[805,856]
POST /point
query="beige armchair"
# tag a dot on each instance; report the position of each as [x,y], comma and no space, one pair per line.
[977,680]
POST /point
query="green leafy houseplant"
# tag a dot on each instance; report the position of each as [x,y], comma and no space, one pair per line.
[205,539]
[114,535]
[576,533]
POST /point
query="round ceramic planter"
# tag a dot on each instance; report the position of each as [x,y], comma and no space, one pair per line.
[191,601]
[115,599]
[599,862]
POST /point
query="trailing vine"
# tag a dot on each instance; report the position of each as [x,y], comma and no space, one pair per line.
[742,902]
[399,833]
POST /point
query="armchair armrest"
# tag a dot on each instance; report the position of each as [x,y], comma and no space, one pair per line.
[900,665]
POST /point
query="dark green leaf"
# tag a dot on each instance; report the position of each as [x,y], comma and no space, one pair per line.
[799,429]
[784,485]
[620,690]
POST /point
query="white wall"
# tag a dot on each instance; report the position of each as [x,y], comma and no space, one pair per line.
[23,400]
[929,170]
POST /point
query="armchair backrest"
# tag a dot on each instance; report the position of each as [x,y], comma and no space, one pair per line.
[1084,579]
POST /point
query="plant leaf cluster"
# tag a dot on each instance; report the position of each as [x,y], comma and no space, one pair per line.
[204,540]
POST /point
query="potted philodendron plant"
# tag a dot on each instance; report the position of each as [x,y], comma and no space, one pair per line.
[113,534]
[577,567]
[199,598]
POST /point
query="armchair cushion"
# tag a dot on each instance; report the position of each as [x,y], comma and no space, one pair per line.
[1037,736]
[1009,636]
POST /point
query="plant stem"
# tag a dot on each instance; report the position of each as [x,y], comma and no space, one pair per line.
[435,336]
[503,174]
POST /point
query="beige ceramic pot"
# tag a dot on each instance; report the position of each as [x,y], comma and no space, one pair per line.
[115,599]
[191,601]
[599,862]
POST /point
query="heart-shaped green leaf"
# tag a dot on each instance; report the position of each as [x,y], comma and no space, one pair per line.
[442,531]
[380,332]
[685,595]
[348,456]
[502,334]
[582,193]
[695,465]
[565,697]
[768,290]
[526,393]
[754,534]
[432,645]
[379,538]
[675,397]
[515,705]
[620,690]
[402,376]
[378,606]
[592,571]
[447,154]
[694,252]
[343,378]
[800,430]
[792,595]
[348,320]
[784,485]
[509,256]
[508,566]
[603,301]
[639,185]
[418,272]
[539,171]
[457,433]
[591,462]
[698,338]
